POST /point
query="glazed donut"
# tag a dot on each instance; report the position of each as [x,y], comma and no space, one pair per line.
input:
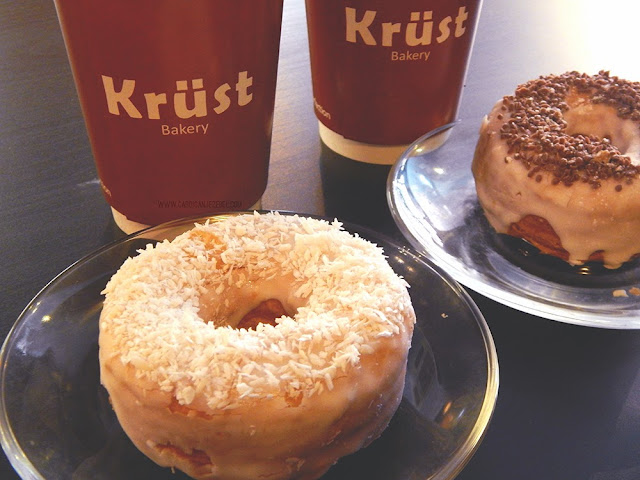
[557,164]
[257,346]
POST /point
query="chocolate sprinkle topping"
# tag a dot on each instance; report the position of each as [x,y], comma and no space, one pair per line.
[536,132]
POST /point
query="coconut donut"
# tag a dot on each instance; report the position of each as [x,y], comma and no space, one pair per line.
[258,346]
[557,164]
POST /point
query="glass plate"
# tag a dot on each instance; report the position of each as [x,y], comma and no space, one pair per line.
[56,421]
[432,198]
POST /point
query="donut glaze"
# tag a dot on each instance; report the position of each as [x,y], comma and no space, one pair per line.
[282,399]
[557,165]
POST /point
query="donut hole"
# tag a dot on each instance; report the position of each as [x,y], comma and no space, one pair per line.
[603,122]
[266,312]
[248,304]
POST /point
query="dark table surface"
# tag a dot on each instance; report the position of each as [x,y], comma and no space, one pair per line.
[569,399]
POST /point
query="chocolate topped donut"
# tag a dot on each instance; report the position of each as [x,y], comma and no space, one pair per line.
[558,162]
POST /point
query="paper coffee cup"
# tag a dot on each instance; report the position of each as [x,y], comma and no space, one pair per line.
[178,99]
[385,73]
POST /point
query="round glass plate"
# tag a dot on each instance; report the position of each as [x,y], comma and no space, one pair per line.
[56,421]
[432,198]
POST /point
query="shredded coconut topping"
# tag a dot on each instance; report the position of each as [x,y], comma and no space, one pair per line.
[347,300]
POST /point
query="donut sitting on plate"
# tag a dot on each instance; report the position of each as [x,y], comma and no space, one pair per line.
[257,346]
[558,163]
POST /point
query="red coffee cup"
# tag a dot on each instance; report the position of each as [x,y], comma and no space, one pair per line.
[178,101]
[385,73]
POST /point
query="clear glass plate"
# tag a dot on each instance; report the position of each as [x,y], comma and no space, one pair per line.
[56,422]
[432,198]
